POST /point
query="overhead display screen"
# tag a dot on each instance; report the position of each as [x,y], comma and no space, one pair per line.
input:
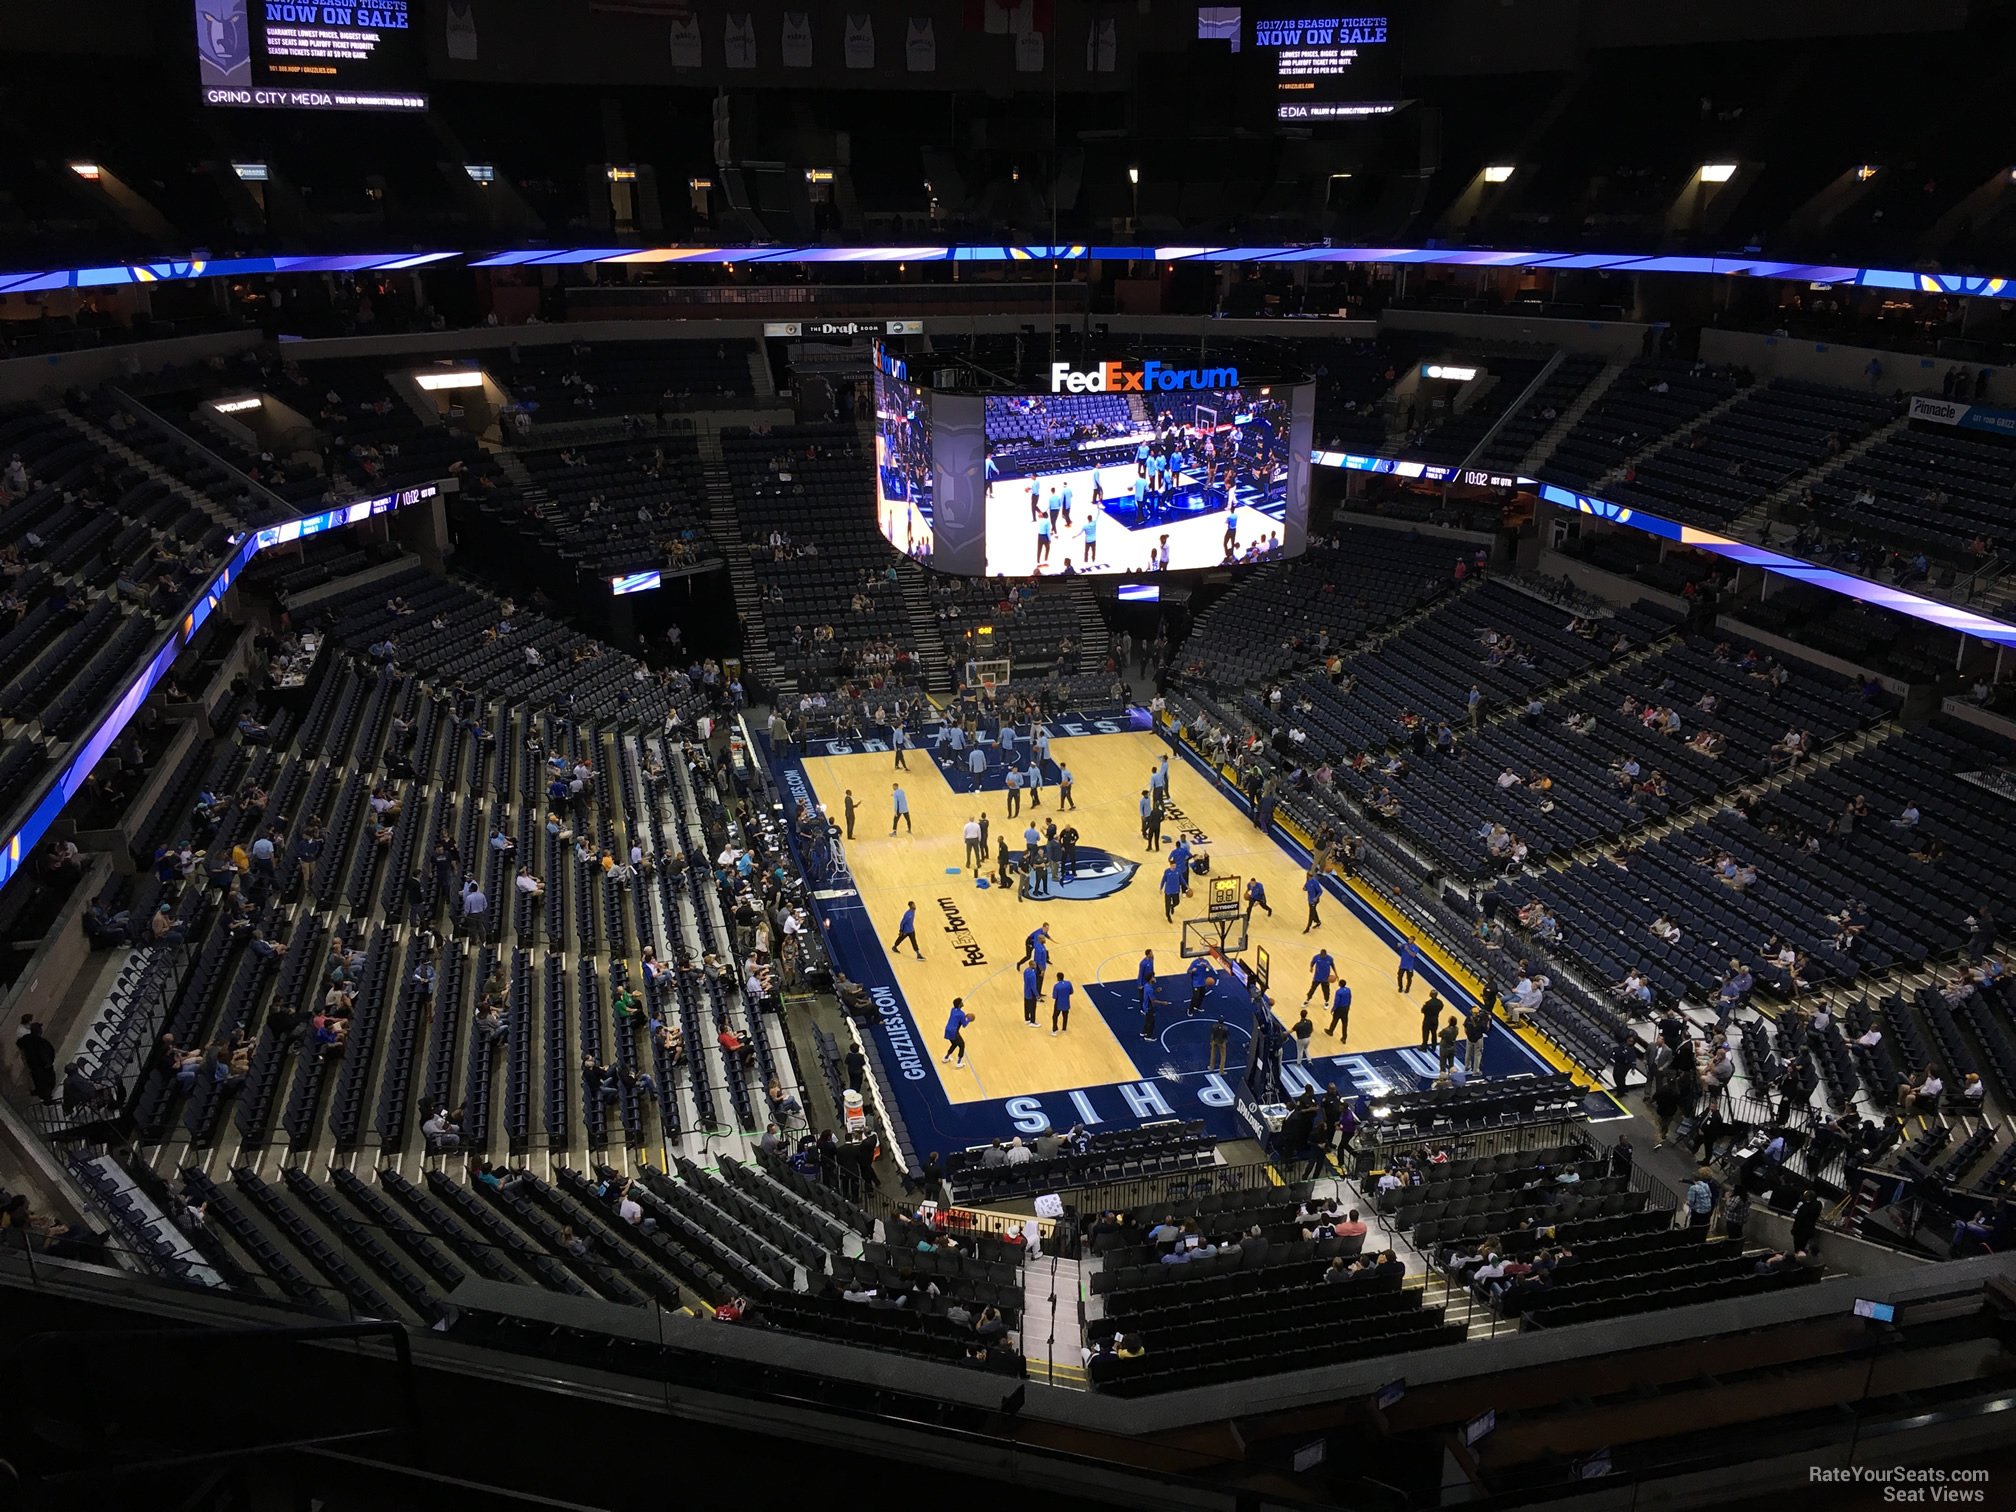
[1125,469]
[309,55]
[903,481]
[1328,67]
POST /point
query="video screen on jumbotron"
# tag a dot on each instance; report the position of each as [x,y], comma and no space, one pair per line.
[309,55]
[902,458]
[1125,476]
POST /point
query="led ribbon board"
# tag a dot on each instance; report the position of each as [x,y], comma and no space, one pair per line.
[1930,611]
[1976,285]
[63,786]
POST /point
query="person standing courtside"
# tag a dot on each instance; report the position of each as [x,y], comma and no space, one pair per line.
[1032,988]
[1221,1040]
[1312,889]
[899,805]
[1340,1012]
[1431,1019]
[976,847]
[907,930]
[1060,1004]
[1475,1030]
[1014,781]
[899,742]
[848,804]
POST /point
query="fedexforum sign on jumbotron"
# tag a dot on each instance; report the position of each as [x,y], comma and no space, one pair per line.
[1128,378]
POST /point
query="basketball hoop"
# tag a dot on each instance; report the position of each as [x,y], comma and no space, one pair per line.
[988,675]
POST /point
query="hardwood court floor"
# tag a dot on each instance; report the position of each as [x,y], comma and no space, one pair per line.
[1098,940]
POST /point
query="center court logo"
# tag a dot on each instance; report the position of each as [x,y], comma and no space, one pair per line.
[969,949]
[1099,874]
[1130,378]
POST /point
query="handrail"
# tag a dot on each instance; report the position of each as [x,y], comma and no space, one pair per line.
[187,442]
[1484,441]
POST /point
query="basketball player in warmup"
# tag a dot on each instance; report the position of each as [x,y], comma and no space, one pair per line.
[906,929]
[1043,541]
[899,805]
[1202,980]
[1410,959]
[1322,967]
[1256,897]
[955,1033]
[1150,1000]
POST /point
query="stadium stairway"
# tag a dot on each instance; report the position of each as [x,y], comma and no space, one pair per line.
[98,436]
[915,582]
[1551,437]
[1772,506]
[523,483]
[1091,623]
[1053,1337]
[734,544]
[1667,438]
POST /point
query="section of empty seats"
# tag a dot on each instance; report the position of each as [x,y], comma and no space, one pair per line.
[1850,868]
[1927,487]
[1649,401]
[457,635]
[577,380]
[1524,427]
[605,509]
[1348,584]
[1450,423]
[831,600]
[1228,1325]
[1760,443]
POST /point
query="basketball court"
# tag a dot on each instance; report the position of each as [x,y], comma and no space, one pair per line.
[1193,517]
[1101,1069]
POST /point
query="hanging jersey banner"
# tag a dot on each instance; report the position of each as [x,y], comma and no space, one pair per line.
[920,46]
[739,40]
[1102,45]
[685,41]
[1029,52]
[859,41]
[797,39]
[461,29]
